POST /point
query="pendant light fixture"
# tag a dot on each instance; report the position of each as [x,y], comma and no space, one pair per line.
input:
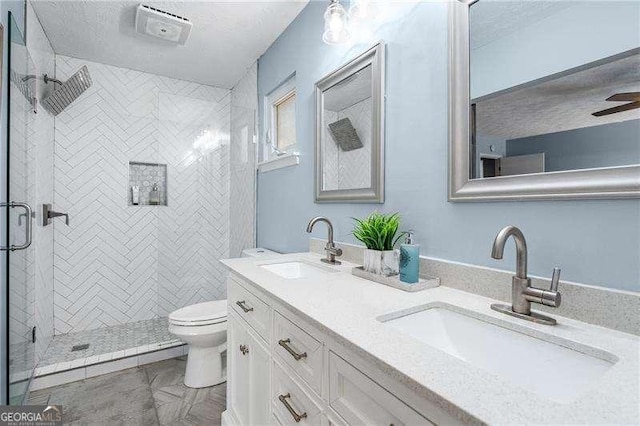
[336,24]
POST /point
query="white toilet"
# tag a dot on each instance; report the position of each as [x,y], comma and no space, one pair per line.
[204,327]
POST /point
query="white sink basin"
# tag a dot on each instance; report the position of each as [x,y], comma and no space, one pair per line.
[295,270]
[548,369]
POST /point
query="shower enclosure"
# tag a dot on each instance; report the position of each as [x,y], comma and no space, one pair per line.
[99,288]
[21,175]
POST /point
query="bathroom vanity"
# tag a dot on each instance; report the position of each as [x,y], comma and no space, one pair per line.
[310,343]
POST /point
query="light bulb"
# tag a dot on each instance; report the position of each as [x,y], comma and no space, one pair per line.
[335,24]
[362,9]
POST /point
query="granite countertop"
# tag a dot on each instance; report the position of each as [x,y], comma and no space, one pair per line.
[348,308]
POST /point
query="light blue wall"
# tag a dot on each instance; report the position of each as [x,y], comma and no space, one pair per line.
[582,33]
[17,8]
[596,241]
[616,144]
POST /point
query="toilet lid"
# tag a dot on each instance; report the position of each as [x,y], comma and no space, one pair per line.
[200,313]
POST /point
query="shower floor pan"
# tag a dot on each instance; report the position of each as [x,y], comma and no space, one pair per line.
[109,349]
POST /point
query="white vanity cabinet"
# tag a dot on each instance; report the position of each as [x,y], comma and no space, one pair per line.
[248,363]
[361,401]
[284,371]
[248,374]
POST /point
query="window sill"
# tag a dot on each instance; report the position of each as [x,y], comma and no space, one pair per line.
[286,160]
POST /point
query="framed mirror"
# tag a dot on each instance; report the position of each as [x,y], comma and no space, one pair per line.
[542,106]
[349,140]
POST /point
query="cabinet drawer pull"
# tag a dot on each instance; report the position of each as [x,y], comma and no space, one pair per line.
[242,304]
[285,344]
[297,417]
[244,349]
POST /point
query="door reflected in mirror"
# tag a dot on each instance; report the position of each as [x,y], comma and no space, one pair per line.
[549,93]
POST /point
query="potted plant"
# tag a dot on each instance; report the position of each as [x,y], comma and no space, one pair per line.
[379,233]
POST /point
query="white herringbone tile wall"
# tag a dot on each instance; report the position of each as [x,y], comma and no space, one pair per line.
[194,229]
[31,139]
[117,263]
[44,60]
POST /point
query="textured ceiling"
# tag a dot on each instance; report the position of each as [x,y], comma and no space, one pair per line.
[227,36]
[561,104]
[490,20]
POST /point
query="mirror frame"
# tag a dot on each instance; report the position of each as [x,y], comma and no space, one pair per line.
[606,182]
[375,57]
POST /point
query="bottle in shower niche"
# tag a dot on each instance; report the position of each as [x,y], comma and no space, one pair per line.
[154,195]
[135,195]
[409,261]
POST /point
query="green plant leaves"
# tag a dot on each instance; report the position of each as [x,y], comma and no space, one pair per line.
[378,231]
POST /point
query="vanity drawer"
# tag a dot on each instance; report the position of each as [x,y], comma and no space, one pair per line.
[299,350]
[361,401]
[291,404]
[249,307]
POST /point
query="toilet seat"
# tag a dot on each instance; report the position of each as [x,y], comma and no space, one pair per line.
[200,314]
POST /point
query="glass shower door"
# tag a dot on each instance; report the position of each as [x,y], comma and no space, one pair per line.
[21,195]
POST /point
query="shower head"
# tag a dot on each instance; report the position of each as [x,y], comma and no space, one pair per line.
[69,91]
[345,135]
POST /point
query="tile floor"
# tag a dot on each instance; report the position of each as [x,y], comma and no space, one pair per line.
[153,394]
[139,339]
[107,340]
[133,338]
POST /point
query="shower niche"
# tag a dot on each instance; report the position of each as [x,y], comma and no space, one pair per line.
[147,184]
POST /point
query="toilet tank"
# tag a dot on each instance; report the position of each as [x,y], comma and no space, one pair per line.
[258,252]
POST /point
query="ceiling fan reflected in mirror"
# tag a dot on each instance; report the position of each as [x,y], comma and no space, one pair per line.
[633,99]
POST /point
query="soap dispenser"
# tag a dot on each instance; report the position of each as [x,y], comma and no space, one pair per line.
[154,195]
[409,261]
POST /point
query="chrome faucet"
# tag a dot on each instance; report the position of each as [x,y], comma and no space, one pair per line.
[522,294]
[330,248]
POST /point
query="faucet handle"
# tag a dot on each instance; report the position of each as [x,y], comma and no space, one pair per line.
[331,248]
[555,279]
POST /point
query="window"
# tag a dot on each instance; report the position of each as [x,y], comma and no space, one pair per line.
[280,116]
[285,111]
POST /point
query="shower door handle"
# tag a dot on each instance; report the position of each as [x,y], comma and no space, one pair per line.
[24,215]
[28,214]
